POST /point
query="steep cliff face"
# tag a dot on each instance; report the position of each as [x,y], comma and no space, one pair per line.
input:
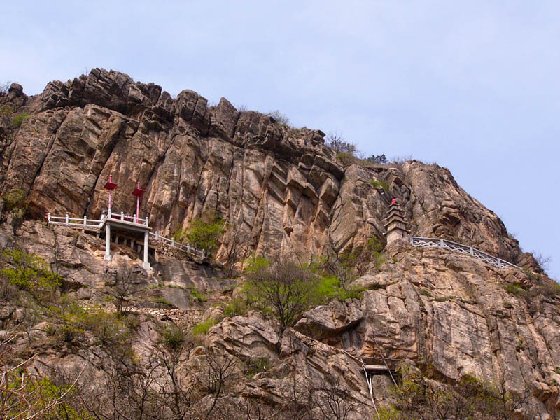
[281,191]
[279,188]
[455,314]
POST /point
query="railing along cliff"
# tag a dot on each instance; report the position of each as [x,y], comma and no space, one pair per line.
[186,248]
[463,249]
[76,222]
[96,225]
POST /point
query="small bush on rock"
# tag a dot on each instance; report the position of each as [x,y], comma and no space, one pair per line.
[160,300]
[14,200]
[198,296]
[28,272]
[375,247]
[329,288]
[379,184]
[108,328]
[203,327]
[24,395]
[346,158]
[514,289]
[173,337]
[279,117]
[18,119]
[202,234]
[235,307]
[339,145]
[257,365]
[285,290]
[379,159]
[418,396]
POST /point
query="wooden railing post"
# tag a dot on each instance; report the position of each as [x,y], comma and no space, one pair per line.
[67,219]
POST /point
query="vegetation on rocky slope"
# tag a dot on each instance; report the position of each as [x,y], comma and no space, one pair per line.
[282,339]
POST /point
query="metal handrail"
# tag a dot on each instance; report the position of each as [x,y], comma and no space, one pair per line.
[182,247]
[464,249]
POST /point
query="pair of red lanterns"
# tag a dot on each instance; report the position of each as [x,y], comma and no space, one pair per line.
[138,193]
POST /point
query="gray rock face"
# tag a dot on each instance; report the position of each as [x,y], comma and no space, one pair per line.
[453,313]
[279,189]
[281,192]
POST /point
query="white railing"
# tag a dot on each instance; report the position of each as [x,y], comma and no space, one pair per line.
[468,250]
[97,224]
[127,218]
[191,250]
[75,222]
[81,222]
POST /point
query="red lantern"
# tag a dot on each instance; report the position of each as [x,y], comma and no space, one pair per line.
[110,186]
[138,193]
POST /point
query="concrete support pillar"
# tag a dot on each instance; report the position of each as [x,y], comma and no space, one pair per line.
[146,264]
[107,242]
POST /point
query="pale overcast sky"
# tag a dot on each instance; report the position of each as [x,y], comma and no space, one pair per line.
[472,85]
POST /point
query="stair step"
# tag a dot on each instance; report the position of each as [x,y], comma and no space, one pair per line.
[377,368]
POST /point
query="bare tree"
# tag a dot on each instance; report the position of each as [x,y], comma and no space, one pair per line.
[333,400]
[123,284]
[218,371]
[284,288]
[298,403]
[337,143]
[279,117]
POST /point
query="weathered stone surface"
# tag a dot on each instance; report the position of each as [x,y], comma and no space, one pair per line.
[246,337]
[331,320]
[454,313]
[280,189]
[302,365]
[281,192]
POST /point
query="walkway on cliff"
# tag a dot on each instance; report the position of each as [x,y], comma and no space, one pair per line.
[96,226]
[463,249]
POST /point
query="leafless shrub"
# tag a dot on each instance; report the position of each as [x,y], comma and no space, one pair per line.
[401,159]
[542,260]
[123,284]
[333,401]
[279,117]
[219,370]
[339,145]
[4,87]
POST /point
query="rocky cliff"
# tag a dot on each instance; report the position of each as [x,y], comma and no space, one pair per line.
[279,188]
[284,194]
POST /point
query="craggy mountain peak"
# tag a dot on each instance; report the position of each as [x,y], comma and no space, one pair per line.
[416,303]
[278,187]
